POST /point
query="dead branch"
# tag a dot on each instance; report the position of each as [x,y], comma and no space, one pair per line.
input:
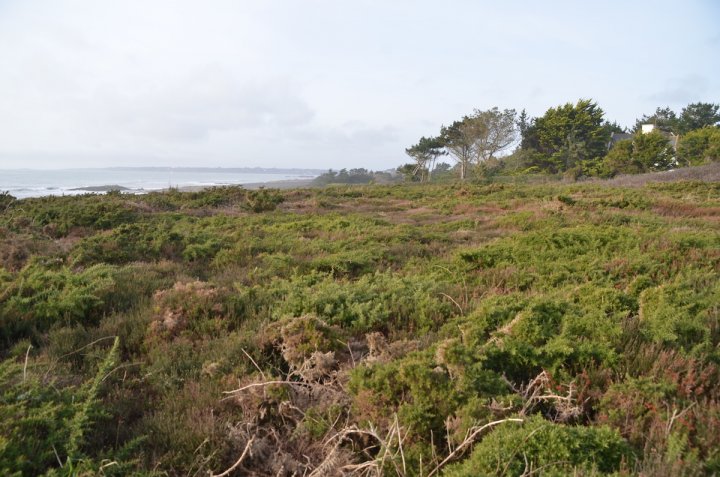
[462,312]
[248,446]
[253,362]
[265,383]
[470,439]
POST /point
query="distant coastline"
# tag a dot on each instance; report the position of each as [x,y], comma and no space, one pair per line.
[251,170]
[280,184]
[26,183]
[242,170]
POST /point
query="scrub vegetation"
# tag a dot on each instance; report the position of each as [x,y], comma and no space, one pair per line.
[454,329]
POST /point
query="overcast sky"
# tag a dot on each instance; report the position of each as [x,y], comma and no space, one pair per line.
[324,83]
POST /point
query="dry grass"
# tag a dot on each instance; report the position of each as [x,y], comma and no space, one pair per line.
[708,173]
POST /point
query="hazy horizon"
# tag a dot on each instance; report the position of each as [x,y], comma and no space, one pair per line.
[207,168]
[322,84]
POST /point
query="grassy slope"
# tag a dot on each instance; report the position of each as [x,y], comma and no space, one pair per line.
[398,321]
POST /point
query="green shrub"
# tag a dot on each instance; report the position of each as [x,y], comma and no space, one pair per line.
[262,200]
[42,424]
[547,448]
[41,297]
[680,312]
[380,302]
[699,147]
[436,307]
[59,215]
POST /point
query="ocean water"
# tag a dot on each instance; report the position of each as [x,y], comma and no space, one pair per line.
[23,183]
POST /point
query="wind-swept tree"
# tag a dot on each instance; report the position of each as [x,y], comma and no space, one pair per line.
[479,137]
[459,140]
[496,130]
[425,153]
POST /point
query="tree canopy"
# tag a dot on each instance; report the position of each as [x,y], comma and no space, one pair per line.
[663,119]
[699,147]
[567,136]
[697,116]
[643,153]
[479,137]
[425,153]
[573,139]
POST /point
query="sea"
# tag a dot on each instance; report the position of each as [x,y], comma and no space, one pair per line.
[24,183]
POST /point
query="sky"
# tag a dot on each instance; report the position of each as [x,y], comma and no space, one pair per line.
[324,83]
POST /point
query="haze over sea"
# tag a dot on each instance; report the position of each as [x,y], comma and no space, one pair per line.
[23,183]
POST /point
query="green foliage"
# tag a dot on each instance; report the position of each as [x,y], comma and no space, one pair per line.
[697,116]
[478,137]
[130,243]
[550,449]
[663,119]
[621,160]
[644,153]
[44,425]
[425,388]
[379,302]
[81,420]
[699,146]
[352,176]
[412,172]
[567,136]
[681,311]
[425,153]
[33,420]
[653,152]
[41,297]
[262,200]
[57,216]
[173,199]
[353,315]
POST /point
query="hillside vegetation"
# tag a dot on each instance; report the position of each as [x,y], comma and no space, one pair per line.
[459,330]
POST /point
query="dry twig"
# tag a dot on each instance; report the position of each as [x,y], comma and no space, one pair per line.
[469,439]
[245,452]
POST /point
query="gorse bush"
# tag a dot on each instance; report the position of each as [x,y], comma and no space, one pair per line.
[262,200]
[57,216]
[377,302]
[550,449]
[44,425]
[41,297]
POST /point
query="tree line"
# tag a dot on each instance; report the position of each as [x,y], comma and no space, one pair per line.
[573,139]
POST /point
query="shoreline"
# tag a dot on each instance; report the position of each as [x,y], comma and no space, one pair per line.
[279,184]
[283,184]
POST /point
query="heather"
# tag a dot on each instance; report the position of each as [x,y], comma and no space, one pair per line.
[451,328]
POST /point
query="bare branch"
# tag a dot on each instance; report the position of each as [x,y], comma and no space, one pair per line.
[239,461]
[469,440]
[253,362]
